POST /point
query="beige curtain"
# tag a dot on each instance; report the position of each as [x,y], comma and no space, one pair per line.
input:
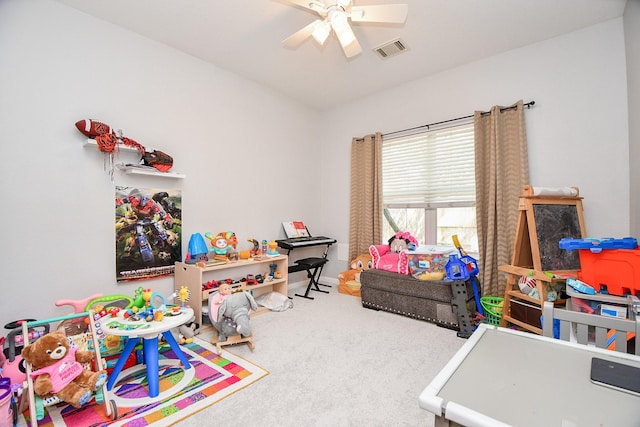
[502,171]
[365,216]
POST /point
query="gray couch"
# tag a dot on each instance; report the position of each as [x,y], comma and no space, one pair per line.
[444,302]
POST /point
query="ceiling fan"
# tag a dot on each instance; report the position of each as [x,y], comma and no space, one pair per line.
[336,16]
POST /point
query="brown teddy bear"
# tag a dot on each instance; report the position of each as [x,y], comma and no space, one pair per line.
[58,369]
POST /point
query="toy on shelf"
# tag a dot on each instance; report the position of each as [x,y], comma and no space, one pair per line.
[255,251]
[231,237]
[393,256]
[219,245]
[107,139]
[273,248]
[197,249]
[272,270]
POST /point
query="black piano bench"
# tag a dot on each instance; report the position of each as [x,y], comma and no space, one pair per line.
[313,266]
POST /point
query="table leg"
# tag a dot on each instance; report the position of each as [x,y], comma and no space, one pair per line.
[150,348]
[128,348]
[176,349]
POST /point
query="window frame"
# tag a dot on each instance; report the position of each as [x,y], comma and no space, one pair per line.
[431,208]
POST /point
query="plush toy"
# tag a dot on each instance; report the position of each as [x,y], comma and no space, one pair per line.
[233,315]
[393,257]
[184,334]
[58,369]
[350,280]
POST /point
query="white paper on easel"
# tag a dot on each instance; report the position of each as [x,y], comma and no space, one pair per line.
[554,191]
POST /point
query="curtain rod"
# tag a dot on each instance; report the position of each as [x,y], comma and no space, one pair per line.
[527,105]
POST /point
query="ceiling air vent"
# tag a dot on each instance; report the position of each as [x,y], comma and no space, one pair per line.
[391,48]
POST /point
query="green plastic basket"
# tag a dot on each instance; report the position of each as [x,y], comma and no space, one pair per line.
[492,307]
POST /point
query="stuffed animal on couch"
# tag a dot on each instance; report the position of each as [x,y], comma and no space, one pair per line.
[349,281]
[58,369]
[233,316]
[393,257]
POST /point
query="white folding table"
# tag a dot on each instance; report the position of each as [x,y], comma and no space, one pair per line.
[503,377]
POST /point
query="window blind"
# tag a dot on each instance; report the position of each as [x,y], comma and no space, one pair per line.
[433,168]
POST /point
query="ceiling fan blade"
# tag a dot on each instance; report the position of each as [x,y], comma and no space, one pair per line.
[349,43]
[299,36]
[352,49]
[389,13]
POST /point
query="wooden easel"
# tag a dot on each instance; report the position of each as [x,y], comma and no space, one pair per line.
[543,220]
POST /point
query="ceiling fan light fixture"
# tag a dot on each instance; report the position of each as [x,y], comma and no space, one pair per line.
[321,32]
[343,3]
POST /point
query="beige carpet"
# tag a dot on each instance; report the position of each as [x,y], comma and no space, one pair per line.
[334,363]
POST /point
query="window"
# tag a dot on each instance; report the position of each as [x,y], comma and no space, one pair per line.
[428,182]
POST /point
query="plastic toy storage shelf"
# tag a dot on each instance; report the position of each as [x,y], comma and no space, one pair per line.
[192,276]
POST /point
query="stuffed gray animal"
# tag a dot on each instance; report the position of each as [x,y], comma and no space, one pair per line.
[233,315]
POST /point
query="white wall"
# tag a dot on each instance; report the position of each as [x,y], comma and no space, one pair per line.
[577,131]
[231,138]
[632,44]
[228,135]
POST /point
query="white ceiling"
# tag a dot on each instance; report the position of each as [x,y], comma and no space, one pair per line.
[244,37]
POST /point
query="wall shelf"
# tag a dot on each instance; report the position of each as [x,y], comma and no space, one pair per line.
[91,143]
[134,169]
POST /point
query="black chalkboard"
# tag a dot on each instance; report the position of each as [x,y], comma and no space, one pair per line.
[553,223]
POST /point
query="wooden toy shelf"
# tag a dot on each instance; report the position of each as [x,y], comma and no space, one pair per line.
[192,276]
[513,295]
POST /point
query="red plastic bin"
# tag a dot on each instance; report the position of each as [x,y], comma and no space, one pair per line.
[618,269]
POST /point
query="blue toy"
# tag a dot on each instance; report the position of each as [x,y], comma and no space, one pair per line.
[471,266]
[197,249]
[580,286]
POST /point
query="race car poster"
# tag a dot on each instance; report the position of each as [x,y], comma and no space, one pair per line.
[148,232]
